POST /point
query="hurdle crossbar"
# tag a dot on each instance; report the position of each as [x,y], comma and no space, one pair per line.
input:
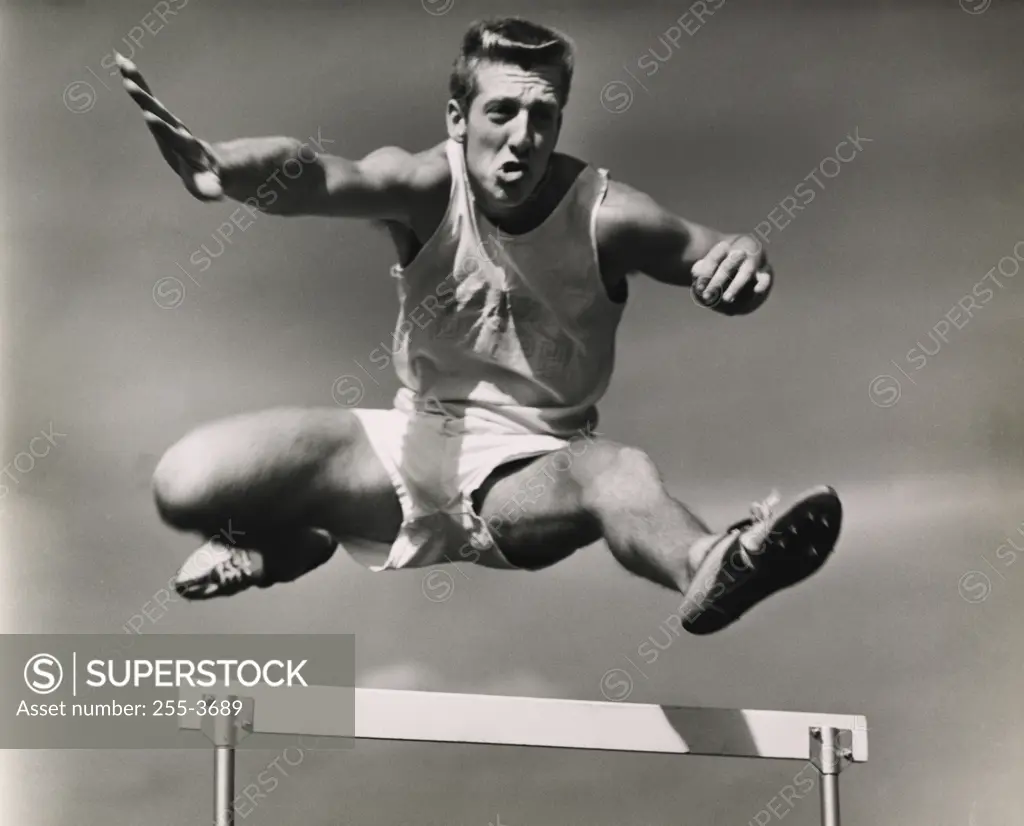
[436,717]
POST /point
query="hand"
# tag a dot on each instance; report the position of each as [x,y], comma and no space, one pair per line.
[192,160]
[734,278]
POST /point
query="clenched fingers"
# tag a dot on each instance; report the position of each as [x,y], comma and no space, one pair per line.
[723,275]
[706,267]
[740,280]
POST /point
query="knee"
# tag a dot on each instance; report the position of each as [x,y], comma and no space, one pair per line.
[619,475]
[181,481]
[251,463]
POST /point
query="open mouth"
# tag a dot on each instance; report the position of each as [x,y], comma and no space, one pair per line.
[513,171]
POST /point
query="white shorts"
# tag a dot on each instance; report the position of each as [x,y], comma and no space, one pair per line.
[436,463]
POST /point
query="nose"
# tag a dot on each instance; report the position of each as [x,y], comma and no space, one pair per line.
[521,135]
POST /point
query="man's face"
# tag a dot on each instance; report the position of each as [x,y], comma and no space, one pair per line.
[510,131]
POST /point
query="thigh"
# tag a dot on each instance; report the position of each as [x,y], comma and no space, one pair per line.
[534,509]
[355,496]
[302,466]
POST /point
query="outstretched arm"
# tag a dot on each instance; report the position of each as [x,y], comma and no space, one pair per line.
[278,175]
[283,176]
[727,272]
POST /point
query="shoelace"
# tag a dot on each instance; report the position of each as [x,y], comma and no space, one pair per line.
[761,514]
[762,511]
[237,566]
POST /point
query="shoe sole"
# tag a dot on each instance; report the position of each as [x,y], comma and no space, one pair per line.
[800,541]
[198,593]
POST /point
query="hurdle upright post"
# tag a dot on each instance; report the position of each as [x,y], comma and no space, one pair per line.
[224,741]
[830,761]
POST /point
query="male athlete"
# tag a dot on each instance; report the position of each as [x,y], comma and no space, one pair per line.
[512,279]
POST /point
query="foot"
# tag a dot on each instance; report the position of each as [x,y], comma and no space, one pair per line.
[219,569]
[759,556]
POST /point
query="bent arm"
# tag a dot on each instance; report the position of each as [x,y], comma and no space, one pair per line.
[283,176]
[636,234]
[639,235]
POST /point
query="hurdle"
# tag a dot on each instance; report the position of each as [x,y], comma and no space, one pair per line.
[435,717]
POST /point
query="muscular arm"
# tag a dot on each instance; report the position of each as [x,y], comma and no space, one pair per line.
[637,235]
[282,176]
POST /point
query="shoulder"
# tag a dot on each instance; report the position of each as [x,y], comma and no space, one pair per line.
[430,170]
[419,172]
[421,180]
[623,207]
[627,212]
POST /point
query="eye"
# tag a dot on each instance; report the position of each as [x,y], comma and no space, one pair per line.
[501,112]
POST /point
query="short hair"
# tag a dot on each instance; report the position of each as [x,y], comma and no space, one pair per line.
[510,40]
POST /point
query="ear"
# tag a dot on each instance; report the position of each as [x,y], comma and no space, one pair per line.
[456,119]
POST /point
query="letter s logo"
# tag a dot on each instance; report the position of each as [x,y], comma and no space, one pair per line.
[43,674]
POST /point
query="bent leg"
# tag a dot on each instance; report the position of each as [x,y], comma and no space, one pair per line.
[543,509]
[275,472]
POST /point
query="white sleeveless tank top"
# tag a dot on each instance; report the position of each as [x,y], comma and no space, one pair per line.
[516,330]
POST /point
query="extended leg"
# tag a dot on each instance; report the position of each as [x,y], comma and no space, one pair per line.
[544,509]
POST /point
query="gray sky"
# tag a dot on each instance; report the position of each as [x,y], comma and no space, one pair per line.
[730,121]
